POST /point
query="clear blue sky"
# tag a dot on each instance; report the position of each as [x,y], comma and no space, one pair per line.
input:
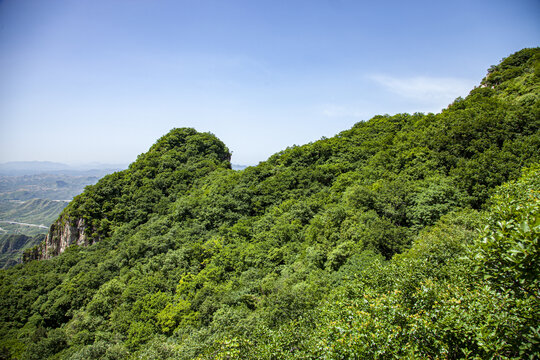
[102,80]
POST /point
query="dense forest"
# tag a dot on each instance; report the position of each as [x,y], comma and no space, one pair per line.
[406,236]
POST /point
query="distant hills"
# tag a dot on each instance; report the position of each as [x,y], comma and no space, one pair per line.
[238,167]
[34,211]
[19,168]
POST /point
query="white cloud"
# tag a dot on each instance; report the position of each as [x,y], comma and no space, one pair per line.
[429,89]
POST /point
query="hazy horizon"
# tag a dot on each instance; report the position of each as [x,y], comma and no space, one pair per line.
[85,165]
[101,81]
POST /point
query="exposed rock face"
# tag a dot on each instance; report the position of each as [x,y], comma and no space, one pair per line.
[62,234]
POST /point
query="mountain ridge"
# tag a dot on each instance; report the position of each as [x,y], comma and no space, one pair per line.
[363,245]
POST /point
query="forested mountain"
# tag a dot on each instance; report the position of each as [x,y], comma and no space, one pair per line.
[406,236]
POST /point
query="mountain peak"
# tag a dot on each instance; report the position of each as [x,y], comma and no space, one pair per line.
[515,75]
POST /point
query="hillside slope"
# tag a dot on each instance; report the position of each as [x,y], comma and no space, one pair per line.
[348,247]
[13,245]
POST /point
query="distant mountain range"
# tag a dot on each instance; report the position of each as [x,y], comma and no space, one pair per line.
[19,168]
[238,167]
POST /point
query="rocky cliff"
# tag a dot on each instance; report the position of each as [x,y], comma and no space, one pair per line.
[62,233]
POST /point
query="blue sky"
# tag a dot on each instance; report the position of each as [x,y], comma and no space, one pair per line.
[102,80]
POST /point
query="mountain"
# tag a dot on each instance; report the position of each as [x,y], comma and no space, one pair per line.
[149,186]
[406,236]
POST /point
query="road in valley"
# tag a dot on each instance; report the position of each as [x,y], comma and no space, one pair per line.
[23,224]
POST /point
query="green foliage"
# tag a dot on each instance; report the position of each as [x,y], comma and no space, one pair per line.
[440,299]
[151,183]
[509,252]
[516,75]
